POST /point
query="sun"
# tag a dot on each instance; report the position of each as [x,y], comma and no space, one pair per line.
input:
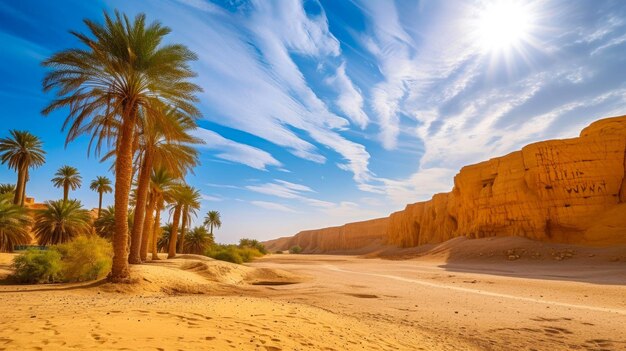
[502,25]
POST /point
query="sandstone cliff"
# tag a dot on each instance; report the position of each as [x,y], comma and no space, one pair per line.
[567,191]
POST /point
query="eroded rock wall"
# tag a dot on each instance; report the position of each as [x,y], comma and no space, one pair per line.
[567,191]
[348,237]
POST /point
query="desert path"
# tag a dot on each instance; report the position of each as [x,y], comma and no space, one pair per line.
[487,306]
[481,292]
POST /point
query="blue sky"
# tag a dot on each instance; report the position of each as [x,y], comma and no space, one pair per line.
[316,113]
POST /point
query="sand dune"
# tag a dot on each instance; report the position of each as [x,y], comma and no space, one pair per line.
[439,299]
[183,304]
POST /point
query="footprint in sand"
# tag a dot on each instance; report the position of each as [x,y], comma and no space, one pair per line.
[272,348]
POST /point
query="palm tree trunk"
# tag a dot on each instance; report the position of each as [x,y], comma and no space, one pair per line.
[21,180]
[183,230]
[99,203]
[66,191]
[211,228]
[174,235]
[156,230]
[140,208]
[123,173]
[148,222]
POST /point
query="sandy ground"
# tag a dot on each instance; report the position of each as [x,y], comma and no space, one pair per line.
[316,302]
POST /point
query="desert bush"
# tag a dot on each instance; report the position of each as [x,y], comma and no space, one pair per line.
[38,266]
[85,258]
[252,243]
[295,249]
[82,259]
[233,253]
[280,252]
[229,256]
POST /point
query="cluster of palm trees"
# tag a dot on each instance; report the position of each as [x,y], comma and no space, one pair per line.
[134,96]
[61,221]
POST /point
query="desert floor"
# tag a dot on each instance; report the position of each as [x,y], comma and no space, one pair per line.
[317,302]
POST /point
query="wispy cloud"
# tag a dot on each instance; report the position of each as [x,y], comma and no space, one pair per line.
[273,206]
[206,197]
[235,152]
[349,99]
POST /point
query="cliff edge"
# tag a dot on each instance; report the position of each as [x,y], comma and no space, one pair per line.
[565,191]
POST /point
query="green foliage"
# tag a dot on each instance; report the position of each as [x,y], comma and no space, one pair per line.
[82,259]
[233,253]
[295,249]
[163,243]
[198,240]
[38,266]
[61,221]
[279,252]
[21,150]
[229,255]
[14,224]
[7,189]
[252,243]
[105,224]
[101,185]
[85,258]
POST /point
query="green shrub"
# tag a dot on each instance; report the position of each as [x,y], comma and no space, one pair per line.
[229,256]
[82,259]
[295,249]
[233,253]
[38,266]
[279,252]
[85,258]
[252,243]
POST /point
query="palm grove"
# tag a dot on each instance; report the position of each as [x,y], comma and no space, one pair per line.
[133,95]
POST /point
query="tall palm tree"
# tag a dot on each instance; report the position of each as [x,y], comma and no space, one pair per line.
[212,219]
[61,221]
[197,241]
[160,182]
[67,177]
[21,151]
[101,185]
[184,198]
[14,224]
[123,71]
[162,146]
[190,200]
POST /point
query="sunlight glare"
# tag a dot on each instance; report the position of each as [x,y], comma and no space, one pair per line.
[503,25]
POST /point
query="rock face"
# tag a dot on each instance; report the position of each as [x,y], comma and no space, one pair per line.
[567,191]
[349,237]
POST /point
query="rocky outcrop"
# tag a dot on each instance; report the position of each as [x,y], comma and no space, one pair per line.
[567,191]
[351,237]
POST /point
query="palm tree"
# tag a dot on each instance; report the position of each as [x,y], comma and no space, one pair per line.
[105,223]
[190,199]
[176,207]
[161,182]
[14,225]
[198,240]
[67,177]
[101,185]
[61,221]
[21,151]
[164,147]
[213,219]
[163,243]
[123,71]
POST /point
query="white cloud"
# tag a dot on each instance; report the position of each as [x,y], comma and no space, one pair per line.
[349,99]
[235,152]
[273,206]
[206,197]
